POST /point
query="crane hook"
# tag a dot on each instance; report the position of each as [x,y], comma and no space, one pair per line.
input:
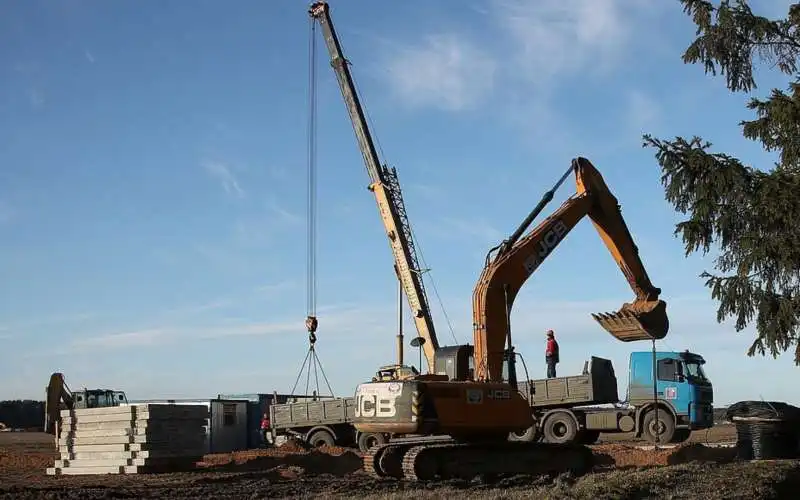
[311,326]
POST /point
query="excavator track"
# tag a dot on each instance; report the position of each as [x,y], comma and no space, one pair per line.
[444,461]
[372,459]
[386,460]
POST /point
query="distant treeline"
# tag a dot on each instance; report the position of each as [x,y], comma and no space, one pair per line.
[22,414]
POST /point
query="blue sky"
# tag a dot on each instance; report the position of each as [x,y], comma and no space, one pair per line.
[153,170]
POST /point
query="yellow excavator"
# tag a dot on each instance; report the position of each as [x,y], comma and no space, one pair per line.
[456,418]
[59,397]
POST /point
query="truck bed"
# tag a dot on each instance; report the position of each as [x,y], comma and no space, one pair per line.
[597,385]
[311,413]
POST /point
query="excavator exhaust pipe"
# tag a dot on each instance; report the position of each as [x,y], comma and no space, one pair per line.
[640,320]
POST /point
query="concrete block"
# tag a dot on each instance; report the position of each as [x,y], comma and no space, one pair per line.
[139,409]
[122,455]
[124,462]
[135,438]
[69,426]
[126,447]
[118,469]
[139,426]
[132,439]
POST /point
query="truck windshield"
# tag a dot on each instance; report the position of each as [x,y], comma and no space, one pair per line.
[694,370]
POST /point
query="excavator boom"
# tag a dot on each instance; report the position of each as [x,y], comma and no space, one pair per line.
[503,276]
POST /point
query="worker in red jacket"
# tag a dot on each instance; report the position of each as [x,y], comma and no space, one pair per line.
[551,354]
[265,431]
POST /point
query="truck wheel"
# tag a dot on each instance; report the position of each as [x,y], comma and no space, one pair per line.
[367,440]
[665,429]
[529,435]
[321,438]
[589,437]
[560,428]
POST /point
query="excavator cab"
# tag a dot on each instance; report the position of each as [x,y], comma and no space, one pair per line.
[98,398]
[395,372]
[458,363]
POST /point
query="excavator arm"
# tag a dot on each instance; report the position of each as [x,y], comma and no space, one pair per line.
[56,392]
[519,257]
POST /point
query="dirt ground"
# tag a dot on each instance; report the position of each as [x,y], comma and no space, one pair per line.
[623,471]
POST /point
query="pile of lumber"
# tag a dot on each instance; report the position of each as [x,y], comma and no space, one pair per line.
[131,439]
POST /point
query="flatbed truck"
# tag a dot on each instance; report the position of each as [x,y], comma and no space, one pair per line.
[566,409]
[579,408]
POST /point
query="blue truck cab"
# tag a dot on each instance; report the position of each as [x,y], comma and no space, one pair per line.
[682,389]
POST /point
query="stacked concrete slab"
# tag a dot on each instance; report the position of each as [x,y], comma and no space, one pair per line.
[142,438]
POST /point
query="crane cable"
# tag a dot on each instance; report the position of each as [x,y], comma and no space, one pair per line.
[311,195]
[311,361]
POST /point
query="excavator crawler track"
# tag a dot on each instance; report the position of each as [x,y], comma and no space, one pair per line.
[372,459]
[444,461]
[386,460]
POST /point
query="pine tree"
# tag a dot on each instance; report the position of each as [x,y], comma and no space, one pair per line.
[750,216]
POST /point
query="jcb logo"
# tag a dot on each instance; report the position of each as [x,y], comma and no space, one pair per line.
[376,405]
[499,394]
[549,241]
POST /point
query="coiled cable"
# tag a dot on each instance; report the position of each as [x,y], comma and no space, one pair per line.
[765,429]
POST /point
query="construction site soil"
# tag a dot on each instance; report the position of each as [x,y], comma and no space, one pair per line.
[623,470]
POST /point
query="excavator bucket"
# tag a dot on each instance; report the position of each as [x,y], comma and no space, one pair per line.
[641,320]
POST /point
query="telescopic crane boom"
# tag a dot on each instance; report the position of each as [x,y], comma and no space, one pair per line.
[386,187]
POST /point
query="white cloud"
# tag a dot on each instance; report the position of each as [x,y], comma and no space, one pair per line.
[528,48]
[355,338]
[89,56]
[284,214]
[446,71]
[339,320]
[643,112]
[226,178]
[553,38]
[53,320]
[137,338]
[194,309]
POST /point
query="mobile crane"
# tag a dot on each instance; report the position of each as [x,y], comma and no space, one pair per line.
[462,411]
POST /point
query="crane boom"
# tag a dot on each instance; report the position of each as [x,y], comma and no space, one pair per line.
[386,187]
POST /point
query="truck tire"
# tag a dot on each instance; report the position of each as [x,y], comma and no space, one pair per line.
[529,435]
[367,440]
[666,426]
[560,428]
[321,438]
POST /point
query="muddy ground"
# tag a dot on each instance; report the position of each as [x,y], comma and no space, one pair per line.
[623,471]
